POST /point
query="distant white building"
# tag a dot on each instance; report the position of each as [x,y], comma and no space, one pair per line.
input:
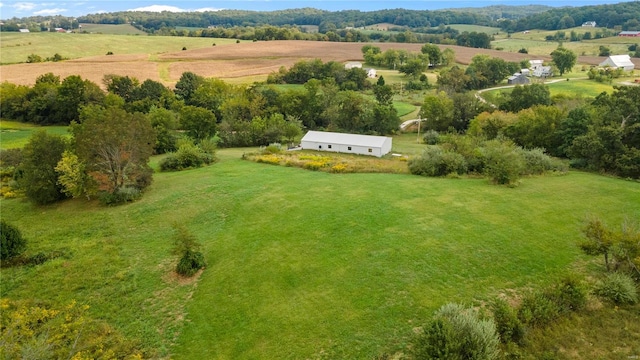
[23,30]
[534,64]
[589,24]
[371,72]
[543,71]
[346,143]
[619,61]
[353,64]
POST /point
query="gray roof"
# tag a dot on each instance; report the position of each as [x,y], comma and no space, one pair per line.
[344,139]
[629,33]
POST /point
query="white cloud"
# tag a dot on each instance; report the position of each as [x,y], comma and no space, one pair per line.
[24,6]
[45,12]
[1,4]
[158,8]
[206,9]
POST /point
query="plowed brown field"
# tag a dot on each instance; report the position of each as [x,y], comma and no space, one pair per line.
[228,61]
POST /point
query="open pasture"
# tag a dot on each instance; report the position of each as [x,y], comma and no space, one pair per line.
[305,264]
[477,28]
[15,134]
[119,29]
[16,47]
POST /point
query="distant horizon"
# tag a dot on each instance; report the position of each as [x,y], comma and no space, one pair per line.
[21,9]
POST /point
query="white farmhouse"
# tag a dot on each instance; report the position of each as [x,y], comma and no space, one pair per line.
[346,143]
[543,72]
[534,64]
[619,61]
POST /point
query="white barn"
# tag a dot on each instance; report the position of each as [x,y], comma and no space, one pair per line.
[346,143]
[353,64]
[619,61]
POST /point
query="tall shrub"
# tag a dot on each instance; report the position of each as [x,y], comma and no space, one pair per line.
[456,332]
[12,243]
[503,162]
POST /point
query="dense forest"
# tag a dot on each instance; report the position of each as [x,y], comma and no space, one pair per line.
[624,16]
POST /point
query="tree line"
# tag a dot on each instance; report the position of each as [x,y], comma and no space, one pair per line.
[115,132]
[601,134]
[624,15]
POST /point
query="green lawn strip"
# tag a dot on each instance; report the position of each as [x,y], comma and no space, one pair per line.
[15,134]
[403,108]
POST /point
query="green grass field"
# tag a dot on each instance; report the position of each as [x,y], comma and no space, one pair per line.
[304,264]
[586,88]
[16,47]
[15,134]
[534,41]
[477,28]
[120,29]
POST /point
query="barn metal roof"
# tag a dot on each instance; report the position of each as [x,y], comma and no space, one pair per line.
[619,60]
[345,139]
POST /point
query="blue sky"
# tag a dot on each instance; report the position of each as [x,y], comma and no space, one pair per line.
[9,9]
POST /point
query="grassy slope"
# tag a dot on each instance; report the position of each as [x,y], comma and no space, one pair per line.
[477,28]
[16,46]
[15,134]
[121,29]
[534,42]
[295,271]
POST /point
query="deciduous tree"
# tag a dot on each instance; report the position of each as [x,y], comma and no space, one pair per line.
[115,146]
[564,59]
[39,177]
[437,112]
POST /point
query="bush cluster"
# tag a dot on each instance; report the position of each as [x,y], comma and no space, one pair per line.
[438,162]
[501,161]
[541,307]
[457,332]
[508,324]
[618,288]
[188,156]
[120,196]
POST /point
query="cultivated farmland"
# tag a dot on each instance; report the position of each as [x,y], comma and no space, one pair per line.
[226,60]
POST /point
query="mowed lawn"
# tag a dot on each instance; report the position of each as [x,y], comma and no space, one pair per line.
[305,264]
[14,134]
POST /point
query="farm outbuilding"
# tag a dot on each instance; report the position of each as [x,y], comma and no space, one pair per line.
[619,61]
[629,33]
[353,64]
[346,143]
[518,79]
